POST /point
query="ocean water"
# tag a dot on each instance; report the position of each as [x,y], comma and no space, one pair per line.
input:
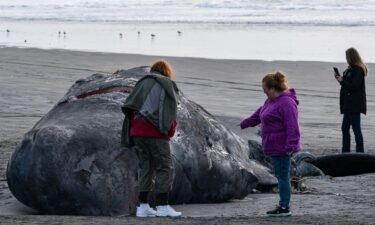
[318,30]
[300,12]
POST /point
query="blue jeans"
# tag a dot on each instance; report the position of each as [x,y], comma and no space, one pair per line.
[354,120]
[281,165]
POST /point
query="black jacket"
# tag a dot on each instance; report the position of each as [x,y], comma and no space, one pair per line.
[353,91]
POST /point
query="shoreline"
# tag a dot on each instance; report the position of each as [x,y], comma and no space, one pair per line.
[169,56]
[209,41]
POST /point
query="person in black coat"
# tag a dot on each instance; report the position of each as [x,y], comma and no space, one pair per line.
[352,99]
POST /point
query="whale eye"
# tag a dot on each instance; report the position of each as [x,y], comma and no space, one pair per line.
[80,81]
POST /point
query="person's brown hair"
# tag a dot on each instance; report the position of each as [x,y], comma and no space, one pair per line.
[163,67]
[354,59]
[276,80]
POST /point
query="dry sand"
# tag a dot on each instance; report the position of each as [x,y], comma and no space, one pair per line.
[33,80]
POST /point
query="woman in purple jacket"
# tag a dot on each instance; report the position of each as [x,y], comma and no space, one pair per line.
[280,132]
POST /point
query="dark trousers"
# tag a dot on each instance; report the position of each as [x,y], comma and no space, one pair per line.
[354,120]
[155,168]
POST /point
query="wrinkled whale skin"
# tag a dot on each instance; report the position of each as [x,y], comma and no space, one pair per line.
[71,161]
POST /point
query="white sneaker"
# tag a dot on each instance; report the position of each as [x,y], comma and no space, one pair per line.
[166,210]
[144,210]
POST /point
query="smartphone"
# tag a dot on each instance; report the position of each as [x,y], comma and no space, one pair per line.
[336,71]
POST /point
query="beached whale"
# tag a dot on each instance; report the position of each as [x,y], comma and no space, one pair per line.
[338,165]
[71,161]
[305,164]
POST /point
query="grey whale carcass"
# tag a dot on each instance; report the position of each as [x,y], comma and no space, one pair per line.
[337,165]
[71,161]
[305,164]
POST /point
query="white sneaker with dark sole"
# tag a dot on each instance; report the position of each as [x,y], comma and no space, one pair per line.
[144,210]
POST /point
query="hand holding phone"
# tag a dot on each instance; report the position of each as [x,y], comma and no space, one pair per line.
[337,75]
[336,71]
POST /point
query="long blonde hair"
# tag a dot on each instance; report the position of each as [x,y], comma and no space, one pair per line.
[354,59]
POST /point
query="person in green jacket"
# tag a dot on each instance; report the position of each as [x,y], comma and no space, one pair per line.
[150,121]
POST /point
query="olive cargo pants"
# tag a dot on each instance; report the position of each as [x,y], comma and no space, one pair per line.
[155,164]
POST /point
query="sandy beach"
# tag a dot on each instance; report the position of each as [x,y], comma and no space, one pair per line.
[33,80]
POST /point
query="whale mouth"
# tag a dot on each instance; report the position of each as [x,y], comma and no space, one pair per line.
[121,89]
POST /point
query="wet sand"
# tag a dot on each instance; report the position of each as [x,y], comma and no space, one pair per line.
[207,40]
[33,80]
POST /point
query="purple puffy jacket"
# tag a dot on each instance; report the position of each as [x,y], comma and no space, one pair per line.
[279,121]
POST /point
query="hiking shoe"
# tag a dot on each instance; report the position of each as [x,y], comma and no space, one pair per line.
[280,211]
[166,210]
[144,210]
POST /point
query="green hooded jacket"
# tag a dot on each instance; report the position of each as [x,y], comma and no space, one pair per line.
[155,97]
